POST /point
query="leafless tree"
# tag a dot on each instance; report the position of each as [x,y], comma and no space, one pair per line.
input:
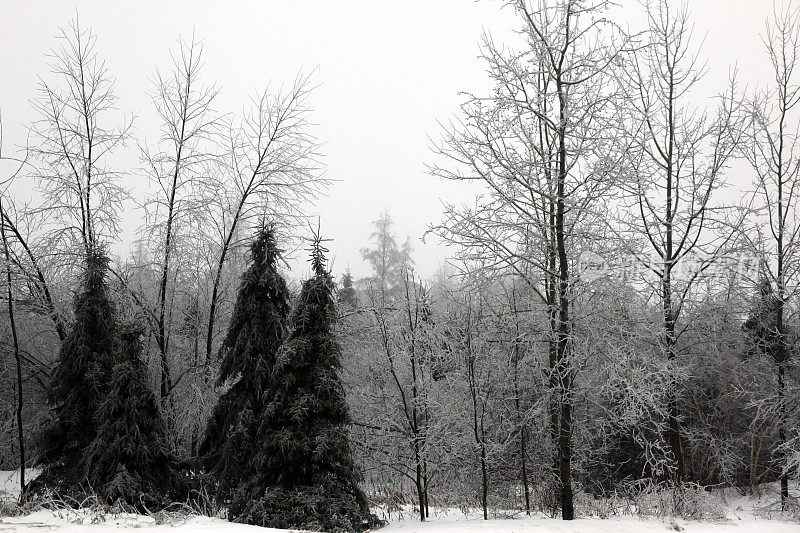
[17,359]
[17,222]
[541,146]
[471,353]
[74,142]
[517,356]
[774,154]
[400,334]
[677,158]
[176,166]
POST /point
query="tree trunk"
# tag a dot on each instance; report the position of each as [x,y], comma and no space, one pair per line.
[18,361]
[564,351]
[418,483]
[781,355]
[522,435]
[781,362]
[673,423]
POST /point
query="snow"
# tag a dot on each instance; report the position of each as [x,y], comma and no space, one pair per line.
[741,516]
[9,482]
[76,522]
[588,525]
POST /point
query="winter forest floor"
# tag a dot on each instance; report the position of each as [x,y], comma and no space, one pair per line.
[742,514]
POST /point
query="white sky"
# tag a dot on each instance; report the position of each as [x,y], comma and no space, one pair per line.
[389,70]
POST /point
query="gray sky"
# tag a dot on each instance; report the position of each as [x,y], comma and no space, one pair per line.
[389,70]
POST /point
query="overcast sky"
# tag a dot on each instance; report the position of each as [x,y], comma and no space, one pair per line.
[388,71]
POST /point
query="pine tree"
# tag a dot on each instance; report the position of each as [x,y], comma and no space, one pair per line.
[305,474]
[257,329]
[77,385]
[129,459]
[347,294]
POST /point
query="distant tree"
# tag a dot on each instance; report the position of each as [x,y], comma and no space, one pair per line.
[257,329]
[388,260]
[78,383]
[129,459]
[305,476]
[347,294]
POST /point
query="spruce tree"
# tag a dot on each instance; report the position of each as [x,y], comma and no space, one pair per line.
[305,476]
[257,329]
[761,327]
[77,385]
[129,460]
[347,294]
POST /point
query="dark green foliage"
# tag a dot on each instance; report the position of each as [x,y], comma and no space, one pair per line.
[78,384]
[312,508]
[228,446]
[129,459]
[257,329]
[105,436]
[612,460]
[347,293]
[761,328]
[305,476]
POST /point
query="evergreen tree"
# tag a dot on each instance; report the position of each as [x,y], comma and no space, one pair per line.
[761,327]
[129,459]
[347,294]
[305,474]
[78,384]
[248,352]
[389,261]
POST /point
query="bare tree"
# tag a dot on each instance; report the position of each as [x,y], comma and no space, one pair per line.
[17,358]
[176,166]
[677,158]
[774,154]
[74,142]
[477,393]
[517,356]
[400,334]
[541,144]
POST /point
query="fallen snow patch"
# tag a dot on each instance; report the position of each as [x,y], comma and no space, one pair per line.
[742,514]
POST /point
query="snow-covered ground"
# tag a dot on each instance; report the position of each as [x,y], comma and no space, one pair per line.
[75,522]
[9,482]
[741,516]
[590,525]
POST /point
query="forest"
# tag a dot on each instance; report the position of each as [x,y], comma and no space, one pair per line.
[614,324]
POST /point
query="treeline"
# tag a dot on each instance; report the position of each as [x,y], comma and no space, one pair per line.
[618,322]
[454,390]
[516,378]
